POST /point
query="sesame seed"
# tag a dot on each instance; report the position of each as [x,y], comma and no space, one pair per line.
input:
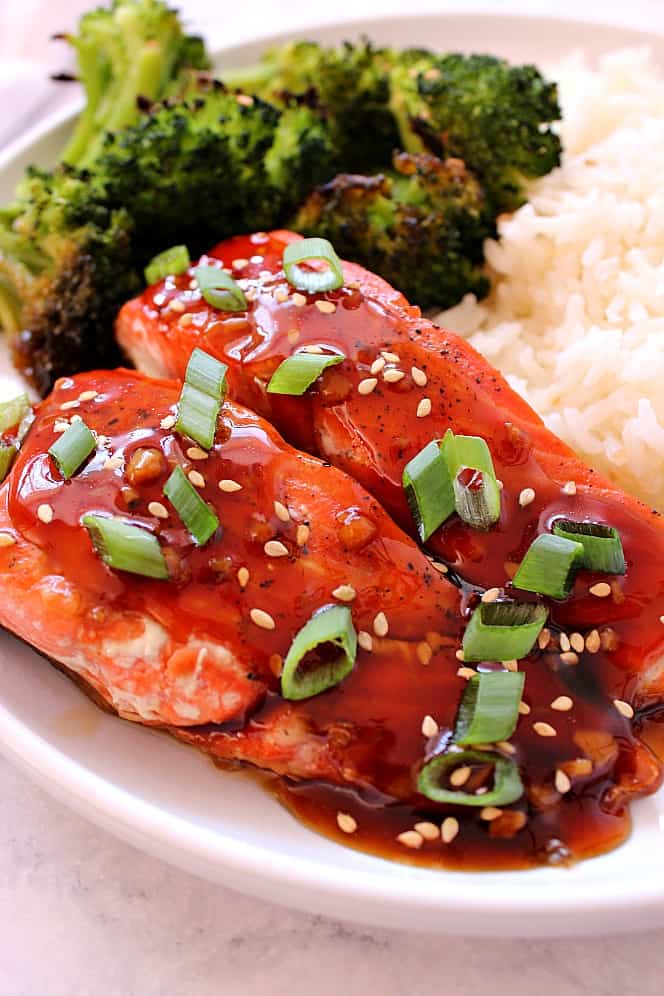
[569,488]
[491,594]
[390,357]
[526,497]
[281,511]
[460,775]
[243,577]
[600,590]
[459,654]
[158,510]
[380,624]
[449,829]
[346,822]
[113,463]
[68,405]
[543,638]
[6,539]
[281,295]
[562,782]
[244,99]
[196,479]
[299,300]
[185,320]
[569,657]
[275,548]
[424,653]
[393,376]
[262,619]
[466,672]
[345,593]
[229,486]
[490,813]
[176,305]
[365,640]
[524,709]
[512,665]
[424,408]
[302,534]
[293,336]
[159,299]
[168,422]
[196,453]
[441,568]
[367,385]
[313,348]
[193,285]
[624,708]
[593,641]
[562,703]
[565,645]
[418,376]
[240,263]
[544,729]
[60,426]
[326,307]
[45,514]
[430,727]
[87,395]
[377,365]
[506,746]
[577,642]
[427,830]
[411,838]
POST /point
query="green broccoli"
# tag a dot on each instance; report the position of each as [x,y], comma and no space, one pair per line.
[421,226]
[494,116]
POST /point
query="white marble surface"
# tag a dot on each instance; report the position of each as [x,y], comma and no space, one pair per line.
[82,913]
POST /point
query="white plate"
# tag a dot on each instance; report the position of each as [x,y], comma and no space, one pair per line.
[173,803]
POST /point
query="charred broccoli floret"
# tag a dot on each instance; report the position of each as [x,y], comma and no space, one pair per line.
[132,50]
[494,116]
[421,226]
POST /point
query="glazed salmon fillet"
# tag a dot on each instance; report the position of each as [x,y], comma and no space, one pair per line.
[404,382]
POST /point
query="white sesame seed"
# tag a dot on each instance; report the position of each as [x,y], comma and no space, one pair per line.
[275,548]
[87,395]
[240,263]
[459,654]
[526,497]
[544,729]
[569,488]
[441,568]
[565,645]
[569,657]
[562,782]
[449,829]
[302,534]
[424,653]
[367,385]
[562,703]
[377,365]
[45,514]
[281,295]
[393,376]
[365,640]
[419,376]
[196,453]
[490,813]
[423,408]
[293,335]
[59,427]
[176,305]
[344,592]
[466,672]
[262,619]
[390,357]
[506,746]
[326,307]
[168,421]
[427,830]
[624,708]
[113,463]
[193,285]
[229,486]
[346,823]
[430,727]
[299,300]
[75,418]
[524,709]
[380,624]
[159,299]
[313,348]
[593,641]
[158,510]
[6,539]
[281,511]
[460,776]
[600,590]
[185,320]
[196,479]
[543,638]
[490,595]
[243,577]
[68,405]
[411,838]
[577,642]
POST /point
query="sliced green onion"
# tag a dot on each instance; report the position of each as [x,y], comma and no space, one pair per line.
[72,448]
[206,374]
[549,566]
[219,289]
[14,411]
[476,492]
[507,785]
[602,547]
[489,709]
[125,547]
[170,262]
[429,492]
[197,416]
[502,631]
[331,633]
[196,514]
[7,457]
[298,372]
[312,281]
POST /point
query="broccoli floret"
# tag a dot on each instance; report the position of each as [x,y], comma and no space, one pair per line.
[350,83]
[133,49]
[494,116]
[64,272]
[421,226]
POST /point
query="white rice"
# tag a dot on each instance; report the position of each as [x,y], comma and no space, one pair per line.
[576,317]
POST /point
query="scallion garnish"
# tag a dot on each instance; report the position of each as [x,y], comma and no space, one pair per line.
[72,448]
[125,547]
[309,251]
[196,514]
[549,566]
[7,456]
[197,416]
[602,547]
[206,374]
[433,781]
[489,708]
[321,654]
[298,372]
[14,411]
[502,631]
[476,492]
[428,486]
[219,289]
[170,262]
